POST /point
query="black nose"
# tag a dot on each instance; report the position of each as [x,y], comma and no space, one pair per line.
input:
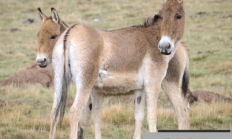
[169,46]
[43,63]
[165,52]
[165,48]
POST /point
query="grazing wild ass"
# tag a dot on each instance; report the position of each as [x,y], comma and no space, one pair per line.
[115,62]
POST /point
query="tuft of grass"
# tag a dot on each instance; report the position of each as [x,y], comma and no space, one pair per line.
[197,73]
[224,68]
[207,116]
[200,58]
[117,115]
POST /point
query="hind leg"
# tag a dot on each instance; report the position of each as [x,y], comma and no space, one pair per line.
[97,99]
[84,122]
[174,93]
[85,73]
[81,99]
[139,113]
[76,110]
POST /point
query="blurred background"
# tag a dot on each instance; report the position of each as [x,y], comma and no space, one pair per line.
[25,108]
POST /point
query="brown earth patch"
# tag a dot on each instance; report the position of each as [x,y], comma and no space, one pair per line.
[210,97]
[33,74]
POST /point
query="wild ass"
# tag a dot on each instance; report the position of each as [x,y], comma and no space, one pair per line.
[133,64]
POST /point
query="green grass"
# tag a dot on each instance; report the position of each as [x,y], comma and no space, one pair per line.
[208,37]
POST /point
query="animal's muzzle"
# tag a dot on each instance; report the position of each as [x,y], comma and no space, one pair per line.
[165,46]
[42,63]
[165,52]
[165,49]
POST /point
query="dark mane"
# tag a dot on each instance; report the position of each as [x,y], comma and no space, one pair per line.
[151,21]
[148,22]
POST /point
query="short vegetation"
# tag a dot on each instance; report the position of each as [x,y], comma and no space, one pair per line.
[27,111]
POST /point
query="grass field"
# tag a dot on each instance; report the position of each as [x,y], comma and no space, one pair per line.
[208,35]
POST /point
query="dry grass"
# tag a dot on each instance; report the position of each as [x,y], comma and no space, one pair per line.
[208,35]
[224,68]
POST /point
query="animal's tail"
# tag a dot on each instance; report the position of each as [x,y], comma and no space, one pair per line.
[185,84]
[185,79]
[60,108]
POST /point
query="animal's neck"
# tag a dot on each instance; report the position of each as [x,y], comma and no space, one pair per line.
[63,26]
[153,33]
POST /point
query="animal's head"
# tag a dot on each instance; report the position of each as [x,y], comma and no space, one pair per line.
[51,28]
[172,25]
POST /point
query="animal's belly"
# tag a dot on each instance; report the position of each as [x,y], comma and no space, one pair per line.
[118,83]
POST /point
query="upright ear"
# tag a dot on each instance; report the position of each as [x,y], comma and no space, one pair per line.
[55,16]
[42,16]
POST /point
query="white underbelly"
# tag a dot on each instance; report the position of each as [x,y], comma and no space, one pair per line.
[118,83]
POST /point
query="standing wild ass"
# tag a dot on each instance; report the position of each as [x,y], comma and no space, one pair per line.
[118,61]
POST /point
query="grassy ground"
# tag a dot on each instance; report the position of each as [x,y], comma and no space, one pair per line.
[208,35]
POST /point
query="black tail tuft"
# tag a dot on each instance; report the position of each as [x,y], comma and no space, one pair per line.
[185,82]
[59,113]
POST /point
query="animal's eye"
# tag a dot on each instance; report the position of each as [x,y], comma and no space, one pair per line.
[53,37]
[178,16]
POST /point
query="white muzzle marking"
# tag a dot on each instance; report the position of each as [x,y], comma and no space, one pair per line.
[42,60]
[166,45]
[40,57]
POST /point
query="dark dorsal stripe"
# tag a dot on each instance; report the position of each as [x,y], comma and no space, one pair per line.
[66,35]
